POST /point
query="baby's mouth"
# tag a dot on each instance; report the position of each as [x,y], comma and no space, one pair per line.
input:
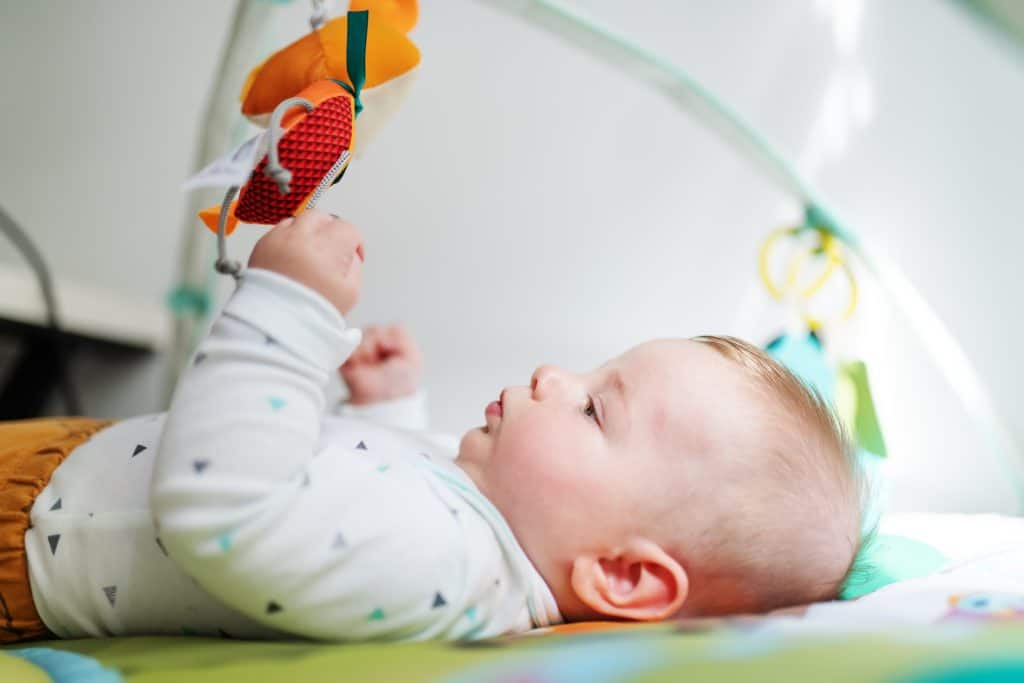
[495,411]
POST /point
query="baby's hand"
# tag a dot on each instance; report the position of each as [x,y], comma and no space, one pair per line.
[318,250]
[387,365]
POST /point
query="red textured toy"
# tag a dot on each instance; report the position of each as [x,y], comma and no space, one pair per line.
[312,153]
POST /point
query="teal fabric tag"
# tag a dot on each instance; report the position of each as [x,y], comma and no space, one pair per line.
[886,559]
[804,357]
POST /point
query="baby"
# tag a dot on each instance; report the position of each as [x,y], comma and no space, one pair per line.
[684,477]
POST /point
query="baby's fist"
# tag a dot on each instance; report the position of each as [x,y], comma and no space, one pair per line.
[387,365]
[318,250]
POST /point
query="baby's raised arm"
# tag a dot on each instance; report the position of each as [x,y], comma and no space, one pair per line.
[301,535]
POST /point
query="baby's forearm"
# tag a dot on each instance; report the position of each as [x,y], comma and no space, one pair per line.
[241,431]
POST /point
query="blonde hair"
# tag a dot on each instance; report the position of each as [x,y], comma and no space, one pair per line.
[820,491]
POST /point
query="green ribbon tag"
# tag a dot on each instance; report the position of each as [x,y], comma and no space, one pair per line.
[355,54]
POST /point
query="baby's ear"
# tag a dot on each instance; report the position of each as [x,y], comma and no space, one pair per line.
[641,582]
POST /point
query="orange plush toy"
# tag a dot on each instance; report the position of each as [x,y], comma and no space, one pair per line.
[310,95]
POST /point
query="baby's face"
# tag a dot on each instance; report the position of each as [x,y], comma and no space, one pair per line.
[577,461]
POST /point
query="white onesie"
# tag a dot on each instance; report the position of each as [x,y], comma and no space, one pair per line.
[246,512]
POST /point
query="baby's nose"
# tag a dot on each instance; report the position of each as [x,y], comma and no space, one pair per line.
[545,380]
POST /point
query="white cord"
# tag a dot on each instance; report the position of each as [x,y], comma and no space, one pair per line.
[318,17]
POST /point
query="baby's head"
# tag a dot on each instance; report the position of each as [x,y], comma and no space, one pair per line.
[691,477]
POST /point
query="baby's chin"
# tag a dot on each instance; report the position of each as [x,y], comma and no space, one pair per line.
[474,449]
[474,444]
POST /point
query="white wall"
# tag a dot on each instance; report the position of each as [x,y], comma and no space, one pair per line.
[531,205]
[100,105]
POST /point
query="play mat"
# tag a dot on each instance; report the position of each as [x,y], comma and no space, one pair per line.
[960,619]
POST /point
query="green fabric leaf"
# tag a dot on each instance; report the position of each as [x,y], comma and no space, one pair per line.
[866,428]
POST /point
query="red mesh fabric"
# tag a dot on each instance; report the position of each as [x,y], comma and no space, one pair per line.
[309,149]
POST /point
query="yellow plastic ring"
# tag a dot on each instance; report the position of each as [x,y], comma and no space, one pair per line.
[763,261]
[816,323]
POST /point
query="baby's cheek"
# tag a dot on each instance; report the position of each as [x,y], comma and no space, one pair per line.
[543,456]
[536,489]
[524,452]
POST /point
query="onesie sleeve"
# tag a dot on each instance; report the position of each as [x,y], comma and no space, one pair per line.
[330,541]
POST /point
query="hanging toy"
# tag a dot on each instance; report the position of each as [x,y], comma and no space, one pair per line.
[310,95]
[815,244]
[844,382]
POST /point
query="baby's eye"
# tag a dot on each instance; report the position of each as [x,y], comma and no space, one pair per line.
[590,410]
